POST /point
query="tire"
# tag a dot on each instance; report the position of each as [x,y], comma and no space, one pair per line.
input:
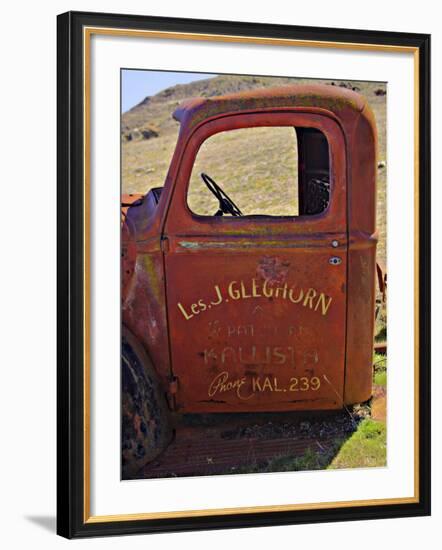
[145,419]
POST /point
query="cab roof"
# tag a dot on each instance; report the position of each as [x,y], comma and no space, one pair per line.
[343,103]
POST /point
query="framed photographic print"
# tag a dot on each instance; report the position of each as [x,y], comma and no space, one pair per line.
[230,199]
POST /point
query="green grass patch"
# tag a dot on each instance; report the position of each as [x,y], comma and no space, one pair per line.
[367,447]
[380,378]
[310,460]
[381,334]
[380,369]
[379,361]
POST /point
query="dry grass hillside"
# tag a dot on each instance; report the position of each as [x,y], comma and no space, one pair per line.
[256,171]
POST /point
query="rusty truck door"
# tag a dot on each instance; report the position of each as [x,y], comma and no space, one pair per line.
[257,304]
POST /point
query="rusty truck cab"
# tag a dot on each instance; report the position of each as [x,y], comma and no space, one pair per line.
[251,311]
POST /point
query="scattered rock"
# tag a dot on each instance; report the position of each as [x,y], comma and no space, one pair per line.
[349,86]
[139,134]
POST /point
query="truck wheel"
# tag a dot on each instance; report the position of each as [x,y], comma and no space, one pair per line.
[145,423]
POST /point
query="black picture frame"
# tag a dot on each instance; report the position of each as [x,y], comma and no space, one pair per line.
[72,516]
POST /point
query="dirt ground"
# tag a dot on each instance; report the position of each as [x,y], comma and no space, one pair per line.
[208,445]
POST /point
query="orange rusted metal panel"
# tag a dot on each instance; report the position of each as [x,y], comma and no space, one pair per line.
[258,313]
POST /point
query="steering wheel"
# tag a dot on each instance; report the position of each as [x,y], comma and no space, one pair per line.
[226,205]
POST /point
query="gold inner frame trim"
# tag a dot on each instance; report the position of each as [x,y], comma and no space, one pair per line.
[87,34]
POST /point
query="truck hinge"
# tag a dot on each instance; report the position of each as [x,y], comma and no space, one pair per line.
[173,385]
[172,391]
[165,244]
